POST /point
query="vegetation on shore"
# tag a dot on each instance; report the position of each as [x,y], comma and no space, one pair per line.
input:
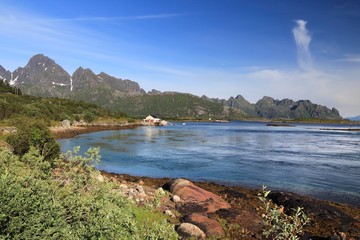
[62,197]
[14,107]
[277,224]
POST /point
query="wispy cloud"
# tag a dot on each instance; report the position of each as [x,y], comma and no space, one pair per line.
[302,41]
[119,18]
[351,58]
[24,33]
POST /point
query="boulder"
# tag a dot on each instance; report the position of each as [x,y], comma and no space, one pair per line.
[176,199]
[65,123]
[190,193]
[209,226]
[100,178]
[170,213]
[188,230]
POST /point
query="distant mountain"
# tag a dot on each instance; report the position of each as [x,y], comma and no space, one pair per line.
[43,77]
[102,89]
[357,118]
[286,108]
[5,75]
[240,102]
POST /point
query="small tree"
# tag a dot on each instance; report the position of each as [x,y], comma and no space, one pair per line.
[89,117]
[37,135]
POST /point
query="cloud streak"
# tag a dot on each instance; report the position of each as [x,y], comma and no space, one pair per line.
[302,40]
[351,58]
[119,18]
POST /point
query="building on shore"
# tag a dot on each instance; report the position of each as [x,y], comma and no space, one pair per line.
[152,120]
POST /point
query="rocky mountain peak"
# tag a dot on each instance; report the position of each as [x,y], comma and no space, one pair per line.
[80,71]
[5,75]
[266,99]
[40,59]
[240,97]
[42,76]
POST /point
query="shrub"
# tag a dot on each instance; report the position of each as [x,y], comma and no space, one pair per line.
[68,202]
[89,117]
[34,134]
[279,225]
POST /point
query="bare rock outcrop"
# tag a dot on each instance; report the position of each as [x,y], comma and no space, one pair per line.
[190,231]
[191,195]
[210,227]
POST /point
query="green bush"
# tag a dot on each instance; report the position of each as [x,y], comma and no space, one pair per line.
[277,224]
[68,202]
[34,134]
[89,117]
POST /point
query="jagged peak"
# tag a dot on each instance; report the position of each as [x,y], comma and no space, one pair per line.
[81,70]
[40,58]
[267,98]
[240,97]
[104,74]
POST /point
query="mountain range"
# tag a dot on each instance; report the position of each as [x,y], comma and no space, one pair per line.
[356,118]
[43,77]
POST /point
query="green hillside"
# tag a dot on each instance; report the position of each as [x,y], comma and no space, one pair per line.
[174,105]
[13,107]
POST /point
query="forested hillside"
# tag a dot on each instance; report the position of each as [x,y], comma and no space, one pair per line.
[14,106]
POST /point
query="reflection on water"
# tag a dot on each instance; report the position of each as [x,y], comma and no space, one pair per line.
[302,158]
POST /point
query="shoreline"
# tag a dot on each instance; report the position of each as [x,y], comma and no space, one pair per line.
[327,217]
[73,131]
[159,181]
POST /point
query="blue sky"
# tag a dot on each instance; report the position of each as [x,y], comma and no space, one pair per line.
[283,49]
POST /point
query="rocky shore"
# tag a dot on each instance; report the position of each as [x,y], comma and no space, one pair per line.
[206,210]
[69,131]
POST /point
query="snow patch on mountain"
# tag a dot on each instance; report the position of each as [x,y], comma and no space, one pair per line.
[13,81]
[60,84]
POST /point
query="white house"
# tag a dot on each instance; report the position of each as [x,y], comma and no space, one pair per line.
[153,121]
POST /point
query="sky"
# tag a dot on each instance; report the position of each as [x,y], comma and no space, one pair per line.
[218,48]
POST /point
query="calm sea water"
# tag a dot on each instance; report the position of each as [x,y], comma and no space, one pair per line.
[303,158]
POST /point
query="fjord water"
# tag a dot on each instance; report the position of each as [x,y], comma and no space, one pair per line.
[303,158]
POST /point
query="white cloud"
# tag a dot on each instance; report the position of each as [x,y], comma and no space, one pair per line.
[302,41]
